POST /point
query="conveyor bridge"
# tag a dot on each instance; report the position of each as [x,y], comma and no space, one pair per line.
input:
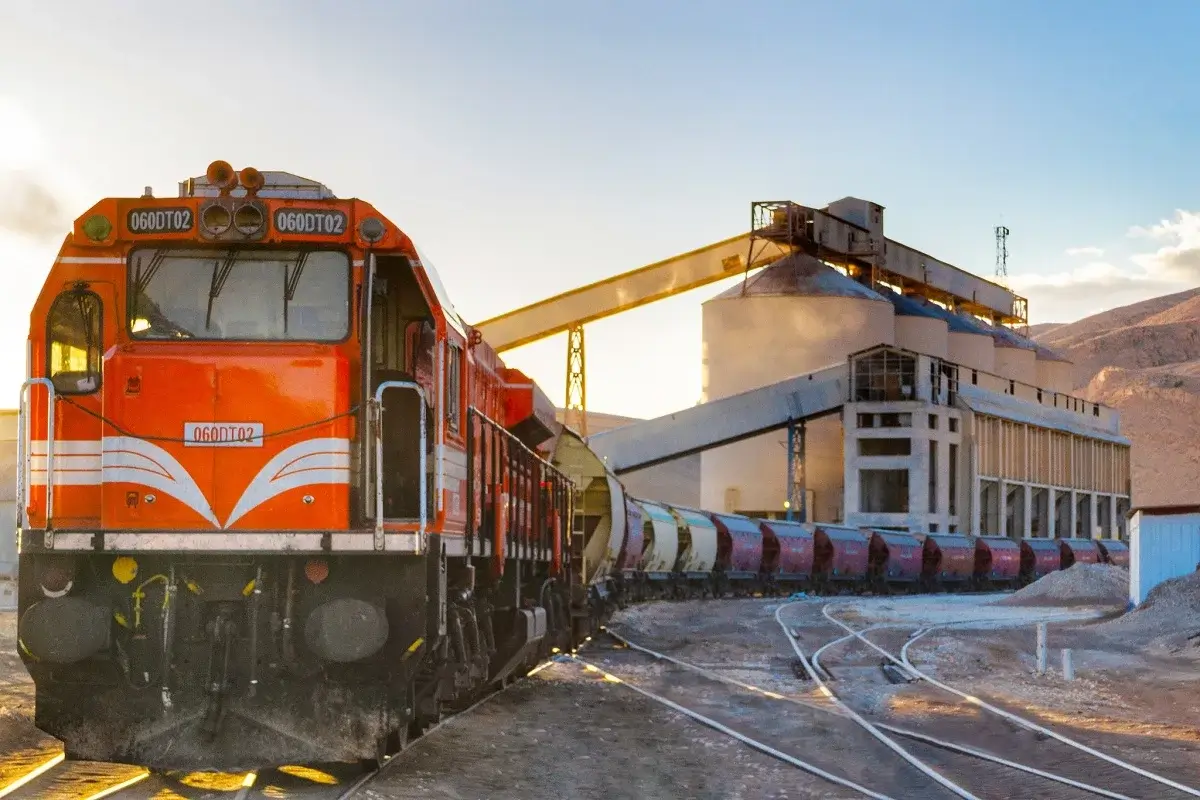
[720,422]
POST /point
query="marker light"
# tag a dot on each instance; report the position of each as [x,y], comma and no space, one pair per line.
[252,181]
[221,175]
[124,569]
[216,219]
[97,227]
[316,570]
[371,229]
[249,219]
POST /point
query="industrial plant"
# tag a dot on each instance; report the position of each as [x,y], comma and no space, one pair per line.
[886,389]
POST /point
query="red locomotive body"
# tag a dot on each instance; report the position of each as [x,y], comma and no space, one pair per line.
[257,435]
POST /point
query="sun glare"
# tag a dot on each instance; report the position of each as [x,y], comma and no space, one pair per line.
[21,144]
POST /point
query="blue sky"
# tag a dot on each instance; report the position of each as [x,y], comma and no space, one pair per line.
[530,147]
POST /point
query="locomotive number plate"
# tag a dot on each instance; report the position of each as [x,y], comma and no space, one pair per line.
[160,220]
[317,222]
[222,434]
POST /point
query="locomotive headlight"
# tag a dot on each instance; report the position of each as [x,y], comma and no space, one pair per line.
[371,229]
[216,219]
[249,219]
[56,576]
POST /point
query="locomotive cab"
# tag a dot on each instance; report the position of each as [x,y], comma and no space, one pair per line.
[400,348]
[259,451]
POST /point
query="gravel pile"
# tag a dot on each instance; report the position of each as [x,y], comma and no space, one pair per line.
[1170,610]
[1081,585]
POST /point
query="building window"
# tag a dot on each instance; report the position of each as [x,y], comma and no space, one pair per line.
[454,387]
[953,424]
[885,447]
[901,420]
[933,422]
[884,376]
[883,491]
[74,342]
[952,478]
[933,471]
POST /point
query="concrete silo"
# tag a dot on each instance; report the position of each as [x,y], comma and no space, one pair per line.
[1014,354]
[796,316]
[967,344]
[1055,371]
[917,327]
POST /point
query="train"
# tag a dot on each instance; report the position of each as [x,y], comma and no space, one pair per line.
[278,503]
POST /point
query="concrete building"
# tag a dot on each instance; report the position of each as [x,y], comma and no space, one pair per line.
[857,380]
[942,423]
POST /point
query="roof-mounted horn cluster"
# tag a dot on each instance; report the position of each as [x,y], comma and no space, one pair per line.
[225,217]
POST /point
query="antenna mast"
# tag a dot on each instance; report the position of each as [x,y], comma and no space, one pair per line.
[1002,255]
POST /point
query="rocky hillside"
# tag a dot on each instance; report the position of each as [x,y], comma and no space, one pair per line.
[1144,359]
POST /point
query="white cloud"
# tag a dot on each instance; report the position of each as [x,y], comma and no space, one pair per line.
[1071,293]
[1179,256]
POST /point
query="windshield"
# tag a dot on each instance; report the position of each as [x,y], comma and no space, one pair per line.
[239,294]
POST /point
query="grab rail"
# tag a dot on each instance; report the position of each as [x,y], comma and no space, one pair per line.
[377,407]
[24,473]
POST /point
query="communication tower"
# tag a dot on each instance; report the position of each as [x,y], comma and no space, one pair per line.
[1002,255]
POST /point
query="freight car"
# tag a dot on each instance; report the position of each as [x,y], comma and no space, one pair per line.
[279,503]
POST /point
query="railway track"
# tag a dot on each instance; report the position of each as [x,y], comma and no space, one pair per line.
[57,778]
[965,767]
[1054,765]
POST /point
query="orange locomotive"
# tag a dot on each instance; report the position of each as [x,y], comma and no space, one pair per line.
[262,458]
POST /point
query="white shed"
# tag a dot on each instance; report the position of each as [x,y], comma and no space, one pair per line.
[1164,543]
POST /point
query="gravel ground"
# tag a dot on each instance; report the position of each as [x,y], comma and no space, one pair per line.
[567,733]
[1081,584]
[1168,619]
[23,746]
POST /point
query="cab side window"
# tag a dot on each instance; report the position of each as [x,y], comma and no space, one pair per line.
[73,342]
[454,387]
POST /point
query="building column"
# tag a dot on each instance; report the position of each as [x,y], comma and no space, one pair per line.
[1052,508]
[1002,510]
[1028,511]
[1074,514]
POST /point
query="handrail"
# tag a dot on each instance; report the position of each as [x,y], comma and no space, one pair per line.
[378,436]
[24,476]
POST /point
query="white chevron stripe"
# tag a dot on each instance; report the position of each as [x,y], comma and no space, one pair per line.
[76,463]
[315,461]
[127,459]
[130,460]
